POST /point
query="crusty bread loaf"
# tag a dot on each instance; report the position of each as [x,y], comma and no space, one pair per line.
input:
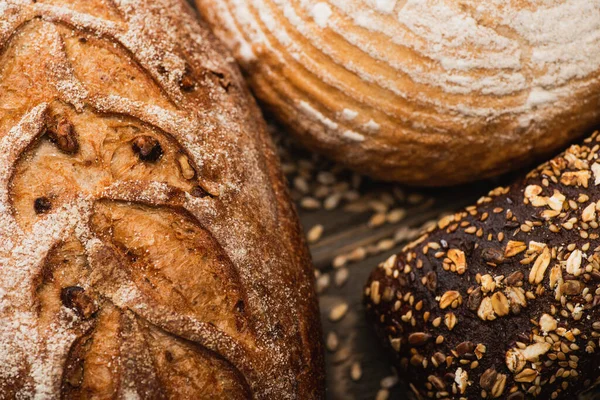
[428,92]
[147,245]
[501,300]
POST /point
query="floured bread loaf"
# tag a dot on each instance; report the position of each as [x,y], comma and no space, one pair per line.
[428,92]
[501,301]
[147,246]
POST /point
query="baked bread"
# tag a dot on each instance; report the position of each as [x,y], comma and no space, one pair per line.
[501,300]
[147,245]
[427,92]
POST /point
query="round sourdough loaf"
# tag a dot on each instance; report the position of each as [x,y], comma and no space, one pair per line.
[148,248]
[428,92]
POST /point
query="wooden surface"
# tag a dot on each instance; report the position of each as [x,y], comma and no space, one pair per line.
[345,231]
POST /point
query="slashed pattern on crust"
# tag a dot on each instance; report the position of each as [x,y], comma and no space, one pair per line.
[139,242]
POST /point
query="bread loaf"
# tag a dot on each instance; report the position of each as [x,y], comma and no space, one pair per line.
[147,245]
[427,92]
[500,301]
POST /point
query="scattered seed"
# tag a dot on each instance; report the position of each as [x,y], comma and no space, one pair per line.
[389,382]
[310,203]
[488,378]
[527,375]
[339,261]
[500,304]
[539,267]
[341,276]
[358,254]
[332,201]
[513,248]
[379,207]
[548,323]
[449,299]
[377,220]
[338,312]
[332,341]
[323,283]
[396,215]
[382,394]
[315,233]
[385,245]
[355,371]
[326,178]
[418,338]
[301,185]
[450,321]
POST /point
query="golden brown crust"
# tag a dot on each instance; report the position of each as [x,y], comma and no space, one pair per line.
[147,243]
[501,300]
[431,92]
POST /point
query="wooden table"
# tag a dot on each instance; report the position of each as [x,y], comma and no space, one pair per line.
[357,341]
[343,232]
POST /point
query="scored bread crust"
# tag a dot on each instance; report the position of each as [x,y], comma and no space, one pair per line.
[501,300]
[428,92]
[148,247]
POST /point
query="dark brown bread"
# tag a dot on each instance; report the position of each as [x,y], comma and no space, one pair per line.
[501,300]
[147,245]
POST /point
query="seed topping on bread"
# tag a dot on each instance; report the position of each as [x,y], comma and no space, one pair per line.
[509,288]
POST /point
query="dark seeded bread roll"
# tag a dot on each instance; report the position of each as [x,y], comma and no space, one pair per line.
[148,249]
[500,301]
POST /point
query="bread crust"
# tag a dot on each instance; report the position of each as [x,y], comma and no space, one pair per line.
[432,93]
[147,241]
[501,300]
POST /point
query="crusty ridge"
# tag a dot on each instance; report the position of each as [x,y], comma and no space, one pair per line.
[126,140]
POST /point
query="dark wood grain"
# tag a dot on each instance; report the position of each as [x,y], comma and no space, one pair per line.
[345,231]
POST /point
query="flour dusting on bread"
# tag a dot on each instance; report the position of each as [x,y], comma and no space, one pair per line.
[447,81]
[146,242]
